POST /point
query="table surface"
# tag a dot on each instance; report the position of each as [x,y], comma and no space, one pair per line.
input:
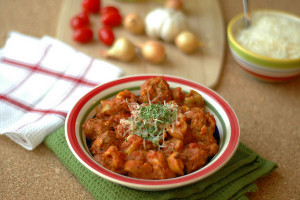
[269,115]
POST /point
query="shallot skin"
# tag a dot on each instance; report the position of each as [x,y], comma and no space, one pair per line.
[153,51]
[187,42]
[134,24]
[122,49]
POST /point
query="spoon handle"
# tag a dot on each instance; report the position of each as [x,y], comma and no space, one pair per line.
[246,14]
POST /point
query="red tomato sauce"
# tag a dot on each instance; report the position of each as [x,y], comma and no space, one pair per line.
[185,144]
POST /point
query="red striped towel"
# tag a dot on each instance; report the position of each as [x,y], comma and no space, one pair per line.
[40,80]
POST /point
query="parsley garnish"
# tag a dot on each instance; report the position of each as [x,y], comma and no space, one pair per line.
[150,121]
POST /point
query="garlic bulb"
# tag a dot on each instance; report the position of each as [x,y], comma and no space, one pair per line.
[165,23]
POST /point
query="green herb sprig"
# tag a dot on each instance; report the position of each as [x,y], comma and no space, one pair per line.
[150,121]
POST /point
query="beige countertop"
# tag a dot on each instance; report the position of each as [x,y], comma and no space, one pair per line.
[269,115]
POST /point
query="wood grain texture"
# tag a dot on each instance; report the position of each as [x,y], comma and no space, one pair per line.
[204,19]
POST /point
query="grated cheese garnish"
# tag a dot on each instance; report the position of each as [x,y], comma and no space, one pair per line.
[150,121]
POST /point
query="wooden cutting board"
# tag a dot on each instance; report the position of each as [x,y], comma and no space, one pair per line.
[204,18]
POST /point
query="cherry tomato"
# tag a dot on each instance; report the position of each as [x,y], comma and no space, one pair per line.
[106,35]
[108,9]
[84,15]
[92,6]
[111,19]
[80,20]
[83,35]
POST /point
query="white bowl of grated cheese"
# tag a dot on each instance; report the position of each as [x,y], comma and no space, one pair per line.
[269,49]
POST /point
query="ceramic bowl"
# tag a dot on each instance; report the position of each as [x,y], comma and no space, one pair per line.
[262,67]
[227,131]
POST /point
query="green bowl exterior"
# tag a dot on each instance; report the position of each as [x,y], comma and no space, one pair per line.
[262,62]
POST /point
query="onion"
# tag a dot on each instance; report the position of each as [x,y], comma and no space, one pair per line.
[174,4]
[122,49]
[187,42]
[134,23]
[153,51]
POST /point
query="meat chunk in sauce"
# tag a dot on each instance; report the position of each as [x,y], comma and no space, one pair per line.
[193,99]
[193,157]
[202,124]
[178,95]
[155,90]
[117,105]
[94,127]
[103,142]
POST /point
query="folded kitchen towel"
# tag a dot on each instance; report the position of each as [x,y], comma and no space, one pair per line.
[231,182]
[40,80]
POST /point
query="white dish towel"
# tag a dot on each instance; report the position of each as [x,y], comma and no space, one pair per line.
[40,80]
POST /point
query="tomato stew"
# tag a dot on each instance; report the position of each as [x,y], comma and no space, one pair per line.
[162,133]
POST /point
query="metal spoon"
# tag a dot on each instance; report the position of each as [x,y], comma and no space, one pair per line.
[246,14]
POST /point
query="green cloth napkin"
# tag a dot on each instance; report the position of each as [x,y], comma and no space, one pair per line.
[233,181]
